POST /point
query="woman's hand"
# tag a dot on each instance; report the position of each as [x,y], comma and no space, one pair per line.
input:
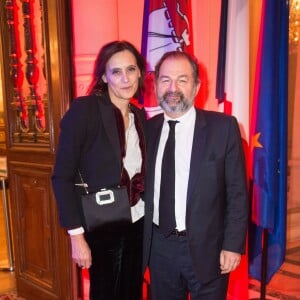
[81,252]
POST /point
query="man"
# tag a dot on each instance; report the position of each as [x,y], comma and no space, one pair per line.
[207,234]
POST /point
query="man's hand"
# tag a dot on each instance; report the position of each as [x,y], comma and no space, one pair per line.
[229,261]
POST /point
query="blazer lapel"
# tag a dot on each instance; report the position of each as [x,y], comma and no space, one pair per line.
[110,125]
[197,149]
[153,142]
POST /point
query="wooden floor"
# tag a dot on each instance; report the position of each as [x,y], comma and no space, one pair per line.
[7,281]
[285,284]
[3,242]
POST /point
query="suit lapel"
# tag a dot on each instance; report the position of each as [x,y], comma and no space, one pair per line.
[153,137]
[197,150]
[110,126]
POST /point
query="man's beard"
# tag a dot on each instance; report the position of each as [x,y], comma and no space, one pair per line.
[182,105]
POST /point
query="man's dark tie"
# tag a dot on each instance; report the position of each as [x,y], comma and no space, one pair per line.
[167,221]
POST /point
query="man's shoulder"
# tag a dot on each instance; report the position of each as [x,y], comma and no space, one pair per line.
[157,119]
[211,115]
[154,124]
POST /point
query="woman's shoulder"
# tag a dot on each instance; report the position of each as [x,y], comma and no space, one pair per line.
[84,105]
[83,101]
[81,109]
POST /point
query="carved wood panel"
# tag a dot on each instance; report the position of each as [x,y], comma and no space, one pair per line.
[34,232]
[29,119]
[36,58]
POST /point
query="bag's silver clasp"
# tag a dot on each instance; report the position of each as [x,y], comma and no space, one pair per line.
[105,197]
[82,184]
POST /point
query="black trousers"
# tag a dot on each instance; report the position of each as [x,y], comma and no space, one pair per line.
[116,271]
[172,272]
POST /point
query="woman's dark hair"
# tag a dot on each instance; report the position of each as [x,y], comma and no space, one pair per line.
[98,86]
[178,54]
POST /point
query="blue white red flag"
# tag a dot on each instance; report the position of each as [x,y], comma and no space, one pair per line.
[232,92]
[232,88]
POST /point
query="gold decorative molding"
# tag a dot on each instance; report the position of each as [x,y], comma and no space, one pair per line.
[294,25]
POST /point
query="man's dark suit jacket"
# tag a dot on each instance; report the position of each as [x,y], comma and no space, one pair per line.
[217,202]
[89,142]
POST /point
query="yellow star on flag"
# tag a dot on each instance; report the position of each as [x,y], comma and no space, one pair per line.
[255,143]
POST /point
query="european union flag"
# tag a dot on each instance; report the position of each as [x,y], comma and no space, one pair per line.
[269,135]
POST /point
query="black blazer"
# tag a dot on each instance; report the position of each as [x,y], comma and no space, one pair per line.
[217,202]
[88,141]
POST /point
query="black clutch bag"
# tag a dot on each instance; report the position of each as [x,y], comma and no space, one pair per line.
[107,208]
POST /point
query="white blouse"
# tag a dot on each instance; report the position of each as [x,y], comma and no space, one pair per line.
[133,163]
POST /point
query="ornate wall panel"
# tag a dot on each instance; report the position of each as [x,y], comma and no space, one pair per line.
[36,69]
[35,234]
[29,118]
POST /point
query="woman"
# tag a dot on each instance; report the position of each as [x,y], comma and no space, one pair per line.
[96,132]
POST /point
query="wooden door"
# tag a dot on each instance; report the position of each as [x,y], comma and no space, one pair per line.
[36,70]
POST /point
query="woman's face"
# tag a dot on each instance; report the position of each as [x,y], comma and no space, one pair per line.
[122,76]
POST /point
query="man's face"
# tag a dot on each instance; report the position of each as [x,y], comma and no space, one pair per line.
[175,87]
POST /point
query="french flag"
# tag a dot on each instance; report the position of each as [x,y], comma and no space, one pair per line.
[232,92]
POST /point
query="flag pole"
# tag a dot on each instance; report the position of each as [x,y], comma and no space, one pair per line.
[264,264]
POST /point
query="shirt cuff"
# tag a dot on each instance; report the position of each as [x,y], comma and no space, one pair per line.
[76,231]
